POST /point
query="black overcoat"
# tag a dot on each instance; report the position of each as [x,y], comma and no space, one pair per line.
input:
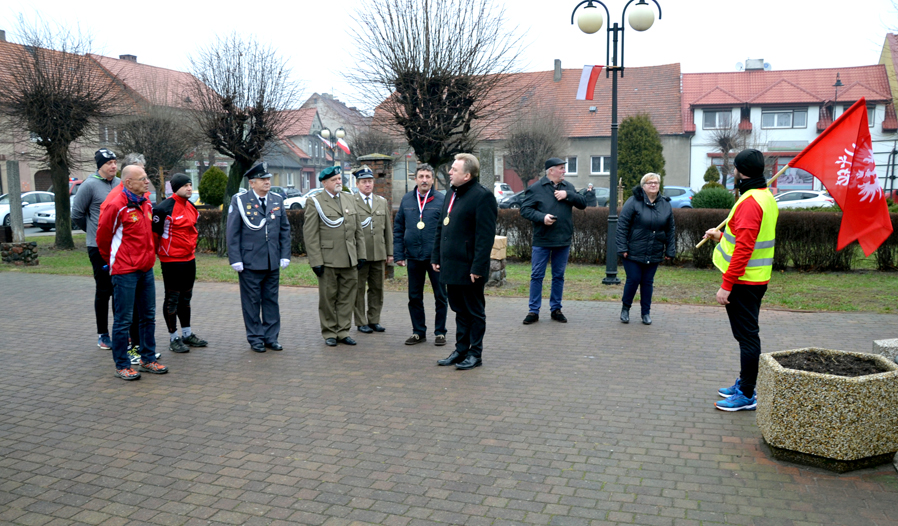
[463,247]
[646,230]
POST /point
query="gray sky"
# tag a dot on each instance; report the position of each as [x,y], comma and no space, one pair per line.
[702,35]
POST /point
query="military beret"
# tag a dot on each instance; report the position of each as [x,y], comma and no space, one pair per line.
[259,171]
[363,173]
[329,172]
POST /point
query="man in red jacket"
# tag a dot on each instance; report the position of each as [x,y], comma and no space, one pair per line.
[125,241]
[174,223]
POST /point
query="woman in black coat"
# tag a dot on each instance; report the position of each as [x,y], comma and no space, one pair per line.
[645,235]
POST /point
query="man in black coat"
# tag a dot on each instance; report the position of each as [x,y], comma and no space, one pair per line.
[549,204]
[413,233]
[461,253]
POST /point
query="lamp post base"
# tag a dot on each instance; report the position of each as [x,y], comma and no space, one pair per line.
[611,279]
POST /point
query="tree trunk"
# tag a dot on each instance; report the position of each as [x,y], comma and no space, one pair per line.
[15,202]
[235,177]
[59,174]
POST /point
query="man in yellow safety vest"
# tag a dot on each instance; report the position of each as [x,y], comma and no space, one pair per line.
[744,254]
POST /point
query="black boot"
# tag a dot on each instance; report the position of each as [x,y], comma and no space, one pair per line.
[625,315]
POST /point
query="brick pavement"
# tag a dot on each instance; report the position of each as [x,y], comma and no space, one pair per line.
[589,423]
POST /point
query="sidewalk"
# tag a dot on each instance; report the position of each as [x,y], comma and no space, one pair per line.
[587,423]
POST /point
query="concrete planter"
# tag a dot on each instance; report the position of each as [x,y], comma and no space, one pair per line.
[834,422]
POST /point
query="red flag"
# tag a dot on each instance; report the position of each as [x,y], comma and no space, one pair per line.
[588,79]
[842,159]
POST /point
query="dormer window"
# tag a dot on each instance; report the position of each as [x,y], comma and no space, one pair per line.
[716,119]
[783,118]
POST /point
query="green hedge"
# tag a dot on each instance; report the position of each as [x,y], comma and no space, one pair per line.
[804,240]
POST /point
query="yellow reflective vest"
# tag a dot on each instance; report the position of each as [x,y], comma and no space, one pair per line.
[760,265]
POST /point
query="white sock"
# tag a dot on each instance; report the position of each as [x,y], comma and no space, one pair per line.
[173,336]
[185,331]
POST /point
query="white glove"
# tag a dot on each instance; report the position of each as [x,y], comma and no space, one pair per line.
[238,266]
[284,263]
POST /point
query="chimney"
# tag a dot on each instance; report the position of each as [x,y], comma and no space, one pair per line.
[752,64]
[557,70]
[2,35]
[129,58]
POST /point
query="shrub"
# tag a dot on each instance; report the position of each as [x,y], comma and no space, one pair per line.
[640,152]
[887,253]
[212,186]
[691,227]
[712,175]
[208,225]
[713,184]
[808,240]
[713,198]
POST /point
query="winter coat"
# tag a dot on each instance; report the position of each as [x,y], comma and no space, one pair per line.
[463,247]
[646,230]
[174,223]
[590,196]
[129,224]
[540,201]
[408,241]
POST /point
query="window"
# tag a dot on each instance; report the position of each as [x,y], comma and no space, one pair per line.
[44,198]
[784,118]
[716,119]
[108,135]
[600,165]
[673,192]
[290,180]
[571,167]
[871,115]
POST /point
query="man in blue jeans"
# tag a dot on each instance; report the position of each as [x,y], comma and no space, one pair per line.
[548,204]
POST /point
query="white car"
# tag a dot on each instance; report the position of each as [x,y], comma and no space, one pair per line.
[501,190]
[804,199]
[30,202]
[296,203]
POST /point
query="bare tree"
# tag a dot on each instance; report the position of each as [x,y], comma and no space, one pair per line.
[435,70]
[55,92]
[730,140]
[163,137]
[242,90]
[369,139]
[536,135]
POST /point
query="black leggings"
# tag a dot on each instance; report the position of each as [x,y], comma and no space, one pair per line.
[178,277]
[743,310]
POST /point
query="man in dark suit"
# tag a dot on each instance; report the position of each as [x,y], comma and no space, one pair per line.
[258,235]
[461,253]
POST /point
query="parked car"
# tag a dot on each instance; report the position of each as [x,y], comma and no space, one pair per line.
[296,203]
[680,196]
[30,203]
[601,195]
[279,190]
[292,192]
[804,199]
[502,190]
[512,201]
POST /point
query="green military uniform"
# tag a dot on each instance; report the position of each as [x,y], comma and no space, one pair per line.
[377,227]
[333,238]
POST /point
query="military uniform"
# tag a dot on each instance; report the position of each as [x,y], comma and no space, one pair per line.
[334,242]
[258,238]
[377,229]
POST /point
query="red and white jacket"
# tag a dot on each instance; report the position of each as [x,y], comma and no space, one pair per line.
[174,223]
[125,235]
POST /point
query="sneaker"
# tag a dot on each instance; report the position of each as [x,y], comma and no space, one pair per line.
[134,354]
[737,402]
[440,341]
[104,342]
[127,374]
[154,367]
[531,317]
[415,338]
[558,316]
[194,341]
[727,392]
[177,345]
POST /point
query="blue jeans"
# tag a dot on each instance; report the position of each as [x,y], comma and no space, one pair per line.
[539,261]
[130,292]
[641,275]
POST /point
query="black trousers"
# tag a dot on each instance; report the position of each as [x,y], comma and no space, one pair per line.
[418,271]
[259,294]
[103,294]
[743,311]
[469,306]
[178,277]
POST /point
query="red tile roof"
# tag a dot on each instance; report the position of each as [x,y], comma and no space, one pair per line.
[294,149]
[809,86]
[156,86]
[302,122]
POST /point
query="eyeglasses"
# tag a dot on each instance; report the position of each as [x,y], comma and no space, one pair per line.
[655,183]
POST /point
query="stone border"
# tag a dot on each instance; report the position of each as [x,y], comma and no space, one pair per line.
[20,254]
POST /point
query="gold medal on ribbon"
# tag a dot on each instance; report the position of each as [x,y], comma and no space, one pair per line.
[446,221]
[420,225]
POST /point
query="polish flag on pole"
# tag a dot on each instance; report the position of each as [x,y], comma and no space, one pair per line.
[842,159]
[343,145]
[327,142]
[588,82]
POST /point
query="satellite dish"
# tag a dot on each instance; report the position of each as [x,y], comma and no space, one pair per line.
[739,66]
[767,66]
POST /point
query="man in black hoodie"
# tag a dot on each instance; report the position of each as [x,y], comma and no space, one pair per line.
[549,204]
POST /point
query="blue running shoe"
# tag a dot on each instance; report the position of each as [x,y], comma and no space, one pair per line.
[737,402]
[727,392]
[104,342]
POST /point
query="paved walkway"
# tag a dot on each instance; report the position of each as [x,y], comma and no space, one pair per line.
[589,423]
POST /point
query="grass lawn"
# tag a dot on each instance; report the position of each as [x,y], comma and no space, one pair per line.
[862,290]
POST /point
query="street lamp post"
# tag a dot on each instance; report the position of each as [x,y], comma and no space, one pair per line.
[337,134]
[590,21]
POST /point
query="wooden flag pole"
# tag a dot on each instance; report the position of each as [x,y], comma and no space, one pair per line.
[721,225]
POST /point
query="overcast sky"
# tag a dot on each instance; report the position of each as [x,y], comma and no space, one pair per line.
[701,35]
